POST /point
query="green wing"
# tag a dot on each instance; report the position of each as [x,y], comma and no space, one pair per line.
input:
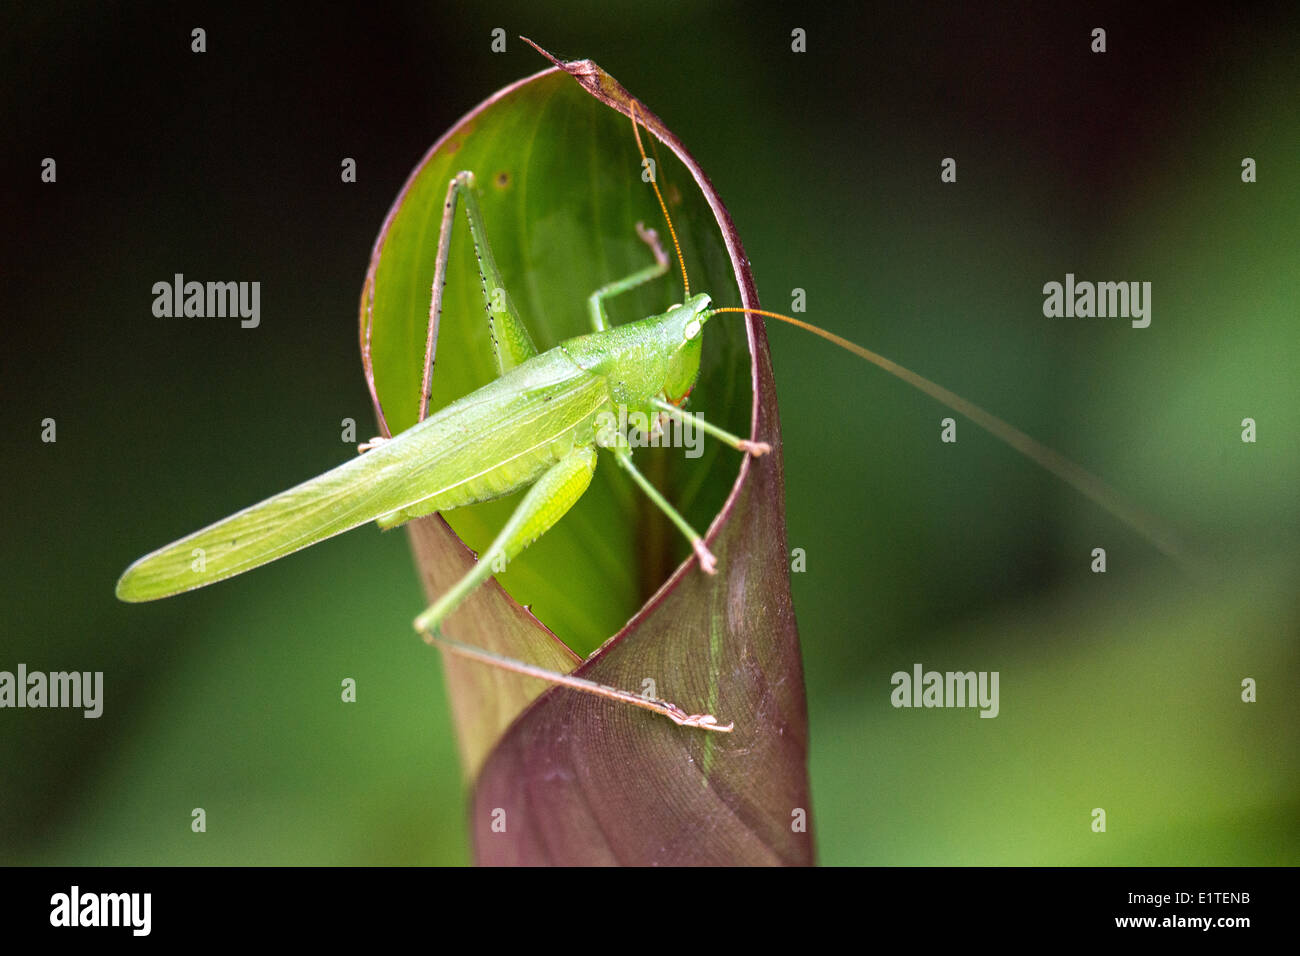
[483,446]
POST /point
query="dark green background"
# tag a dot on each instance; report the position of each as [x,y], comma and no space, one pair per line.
[1118,691]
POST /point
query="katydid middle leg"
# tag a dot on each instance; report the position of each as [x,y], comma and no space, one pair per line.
[623,455]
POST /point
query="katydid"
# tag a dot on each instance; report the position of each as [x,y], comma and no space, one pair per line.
[537,426]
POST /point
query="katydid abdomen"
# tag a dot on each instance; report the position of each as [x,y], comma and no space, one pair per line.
[528,419]
[551,407]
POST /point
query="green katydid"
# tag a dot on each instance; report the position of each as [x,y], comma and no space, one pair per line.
[537,427]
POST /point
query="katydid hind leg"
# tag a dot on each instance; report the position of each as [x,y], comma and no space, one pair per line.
[550,496]
[668,709]
[511,343]
[553,494]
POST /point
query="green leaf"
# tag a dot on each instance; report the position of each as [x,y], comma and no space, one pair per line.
[562,191]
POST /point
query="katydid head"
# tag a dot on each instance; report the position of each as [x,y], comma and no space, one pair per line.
[685,323]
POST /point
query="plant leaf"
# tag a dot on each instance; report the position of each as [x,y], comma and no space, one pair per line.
[581,779]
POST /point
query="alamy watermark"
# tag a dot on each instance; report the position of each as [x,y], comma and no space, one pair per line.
[1084,300]
[922,688]
[75,908]
[653,430]
[209,300]
[55,689]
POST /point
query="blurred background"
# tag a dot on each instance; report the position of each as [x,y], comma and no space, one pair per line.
[1118,690]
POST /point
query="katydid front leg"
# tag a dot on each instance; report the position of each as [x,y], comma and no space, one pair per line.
[596,301]
[755,448]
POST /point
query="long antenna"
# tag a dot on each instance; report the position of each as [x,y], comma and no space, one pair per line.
[1147,525]
[654,177]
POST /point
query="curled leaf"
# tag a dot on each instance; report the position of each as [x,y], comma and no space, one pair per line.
[564,777]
